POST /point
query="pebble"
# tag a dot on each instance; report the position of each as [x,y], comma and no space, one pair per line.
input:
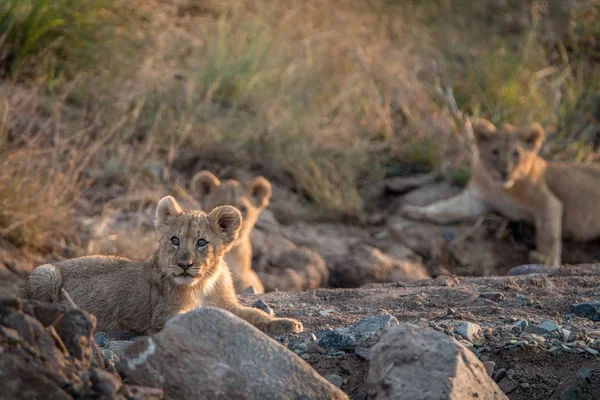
[549,326]
[489,367]
[333,340]
[470,331]
[493,296]
[499,375]
[326,312]
[101,339]
[368,330]
[520,326]
[588,309]
[305,356]
[335,380]
[301,341]
[525,301]
[261,305]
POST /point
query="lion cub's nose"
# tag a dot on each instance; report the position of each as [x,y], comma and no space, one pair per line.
[185,262]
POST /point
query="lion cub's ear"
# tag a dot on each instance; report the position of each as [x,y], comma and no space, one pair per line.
[483,129]
[203,183]
[226,221]
[532,136]
[260,191]
[167,210]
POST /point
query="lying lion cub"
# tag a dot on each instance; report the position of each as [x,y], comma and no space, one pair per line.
[508,176]
[187,271]
[251,199]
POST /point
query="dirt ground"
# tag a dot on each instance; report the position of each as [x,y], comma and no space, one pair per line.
[538,370]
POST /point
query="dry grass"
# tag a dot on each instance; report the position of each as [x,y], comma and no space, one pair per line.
[325,98]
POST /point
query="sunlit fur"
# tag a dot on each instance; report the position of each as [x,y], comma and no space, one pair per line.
[139,296]
[251,199]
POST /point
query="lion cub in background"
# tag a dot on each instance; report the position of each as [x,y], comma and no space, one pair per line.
[187,271]
[508,176]
[250,199]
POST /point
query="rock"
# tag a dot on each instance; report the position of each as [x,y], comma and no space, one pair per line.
[367,264]
[334,340]
[576,388]
[410,361]
[493,296]
[335,380]
[229,358]
[589,310]
[489,367]
[45,354]
[470,331]
[301,341]
[101,339]
[530,269]
[508,385]
[261,305]
[500,374]
[520,326]
[368,330]
[550,326]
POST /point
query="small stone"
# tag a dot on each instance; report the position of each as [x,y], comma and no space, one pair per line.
[450,311]
[565,334]
[530,269]
[335,380]
[493,296]
[592,351]
[333,340]
[261,305]
[326,312]
[368,330]
[499,375]
[550,326]
[489,367]
[508,385]
[525,385]
[525,301]
[589,310]
[520,326]
[470,331]
[301,341]
[305,356]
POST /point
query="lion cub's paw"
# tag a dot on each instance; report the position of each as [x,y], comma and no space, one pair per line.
[539,258]
[284,325]
[412,212]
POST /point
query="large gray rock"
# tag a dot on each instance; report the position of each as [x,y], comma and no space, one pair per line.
[211,354]
[415,363]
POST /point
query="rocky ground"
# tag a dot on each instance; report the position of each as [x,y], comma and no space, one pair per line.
[533,331]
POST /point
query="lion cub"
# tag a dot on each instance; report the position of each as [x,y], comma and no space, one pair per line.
[187,271]
[508,176]
[250,199]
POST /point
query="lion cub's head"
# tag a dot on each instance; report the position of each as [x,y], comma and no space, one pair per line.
[192,244]
[507,153]
[250,199]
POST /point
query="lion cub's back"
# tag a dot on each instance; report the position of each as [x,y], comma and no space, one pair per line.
[577,186]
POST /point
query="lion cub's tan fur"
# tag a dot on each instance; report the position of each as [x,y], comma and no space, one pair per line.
[508,176]
[251,199]
[187,271]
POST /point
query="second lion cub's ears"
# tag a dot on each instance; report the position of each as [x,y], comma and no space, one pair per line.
[260,191]
[483,129]
[203,183]
[532,136]
[226,221]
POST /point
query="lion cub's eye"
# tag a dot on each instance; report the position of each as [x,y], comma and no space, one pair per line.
[243,211]
[175,241]
[516,155]
[495,152]
[202,244]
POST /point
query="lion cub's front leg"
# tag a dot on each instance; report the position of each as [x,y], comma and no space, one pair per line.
[223,296]
[548,232]
[462,207]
